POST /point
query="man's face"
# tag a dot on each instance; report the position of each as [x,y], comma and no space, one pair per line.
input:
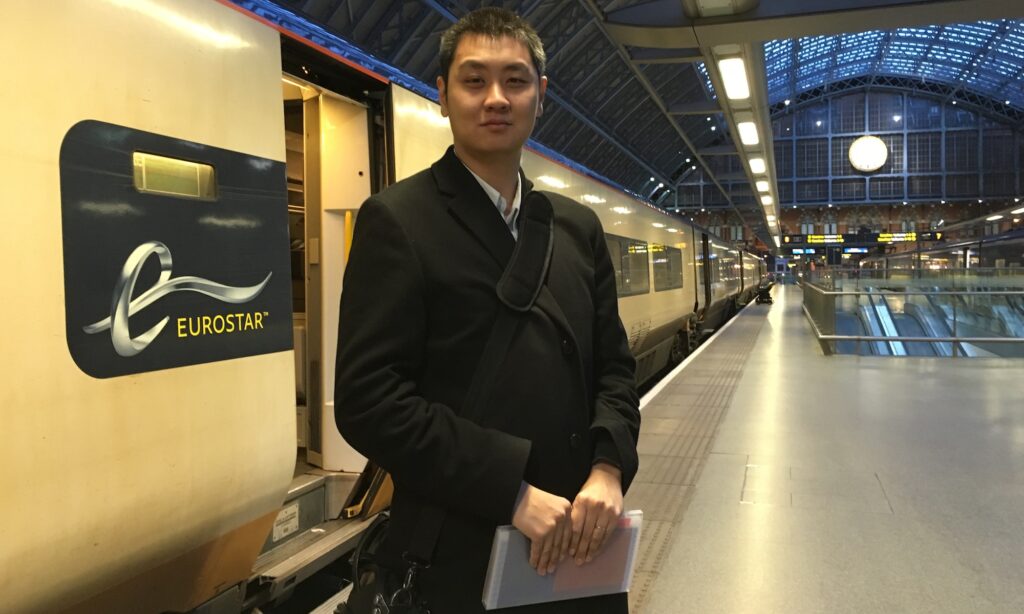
[493,95]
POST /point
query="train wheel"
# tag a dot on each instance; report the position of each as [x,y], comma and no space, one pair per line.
[680,348]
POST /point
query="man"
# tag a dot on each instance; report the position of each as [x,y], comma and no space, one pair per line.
[555,448]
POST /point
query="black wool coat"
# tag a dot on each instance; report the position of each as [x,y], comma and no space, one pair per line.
[418,304]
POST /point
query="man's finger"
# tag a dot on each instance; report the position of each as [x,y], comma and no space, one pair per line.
[556,547]
[545,553]
[608,526]
[595,540]
[583,551]
[535,546]
[579,516]
[565,538]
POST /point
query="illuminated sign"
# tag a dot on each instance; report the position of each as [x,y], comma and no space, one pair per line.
[883,237]
[825,239]
[897,237]
[855,250]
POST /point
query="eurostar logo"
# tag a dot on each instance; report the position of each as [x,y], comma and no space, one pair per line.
[123,306]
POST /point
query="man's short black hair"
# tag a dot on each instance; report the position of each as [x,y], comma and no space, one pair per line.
[495,23]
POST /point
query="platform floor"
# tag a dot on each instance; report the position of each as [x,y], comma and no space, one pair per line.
[777,479]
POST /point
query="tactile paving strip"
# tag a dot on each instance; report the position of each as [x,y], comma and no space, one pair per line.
[676,435]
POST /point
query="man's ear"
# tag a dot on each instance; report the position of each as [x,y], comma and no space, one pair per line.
[442,95]
[540,98]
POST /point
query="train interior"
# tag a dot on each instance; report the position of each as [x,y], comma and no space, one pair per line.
[316,522]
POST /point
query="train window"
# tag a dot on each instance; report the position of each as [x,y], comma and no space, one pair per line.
[162,175]
[629,257]
[668,267]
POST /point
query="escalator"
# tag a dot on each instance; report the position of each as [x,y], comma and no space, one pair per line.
[882,323]
[849,324]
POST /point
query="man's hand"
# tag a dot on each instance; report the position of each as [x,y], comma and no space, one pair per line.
[595,512]
[545,519]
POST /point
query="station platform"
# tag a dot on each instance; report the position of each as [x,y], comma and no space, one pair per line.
[774,478]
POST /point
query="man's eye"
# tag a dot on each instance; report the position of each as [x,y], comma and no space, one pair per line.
[517,81]
[472,80]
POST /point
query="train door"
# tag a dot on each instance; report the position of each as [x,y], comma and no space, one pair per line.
[328,169]
[700,301]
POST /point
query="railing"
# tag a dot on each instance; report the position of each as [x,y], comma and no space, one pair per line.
[941,313]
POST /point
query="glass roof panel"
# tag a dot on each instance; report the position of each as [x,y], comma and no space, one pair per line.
[986,57]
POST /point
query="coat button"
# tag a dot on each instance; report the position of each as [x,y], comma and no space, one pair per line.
[575,440]
[566,346]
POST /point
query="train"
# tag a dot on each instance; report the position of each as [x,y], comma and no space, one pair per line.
[184,181]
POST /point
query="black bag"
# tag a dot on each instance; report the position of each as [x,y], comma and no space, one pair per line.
[376,589]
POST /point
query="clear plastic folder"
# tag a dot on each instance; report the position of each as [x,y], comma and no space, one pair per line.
[512,582]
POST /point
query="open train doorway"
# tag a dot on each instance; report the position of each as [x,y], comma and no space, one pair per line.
[328,176]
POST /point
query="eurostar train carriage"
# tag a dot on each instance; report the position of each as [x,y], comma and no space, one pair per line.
[180,198]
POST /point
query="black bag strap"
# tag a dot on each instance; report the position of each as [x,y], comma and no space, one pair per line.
[517,290]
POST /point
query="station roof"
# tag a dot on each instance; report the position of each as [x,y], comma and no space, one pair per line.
[630,97]
[986,57]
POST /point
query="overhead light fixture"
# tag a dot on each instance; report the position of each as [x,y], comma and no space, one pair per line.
[748,133]
[674,229]
[771,218]
[763,186]
[786,102]
[993,218]
[1017,211]
[734,76]
[778,243]
[830,205]
[658,225]
[713,128]
[594,200]
[897,118]
[767,200]
[757,166]
[553,182]
[622,210]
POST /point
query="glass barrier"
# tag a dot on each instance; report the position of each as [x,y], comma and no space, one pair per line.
[972,313]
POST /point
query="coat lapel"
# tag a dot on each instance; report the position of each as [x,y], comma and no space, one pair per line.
[469,204]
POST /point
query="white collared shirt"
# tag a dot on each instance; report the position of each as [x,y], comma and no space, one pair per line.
[502,204]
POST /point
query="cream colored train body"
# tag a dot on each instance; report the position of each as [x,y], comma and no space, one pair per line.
[179,469]
[143,464]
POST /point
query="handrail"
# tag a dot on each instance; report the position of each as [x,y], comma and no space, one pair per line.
[916,292]
[819,335]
